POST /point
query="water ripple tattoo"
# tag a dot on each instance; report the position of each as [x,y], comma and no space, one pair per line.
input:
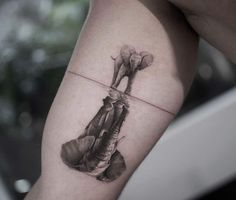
[95,151]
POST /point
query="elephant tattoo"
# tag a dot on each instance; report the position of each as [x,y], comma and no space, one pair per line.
[95,151]
[127,64]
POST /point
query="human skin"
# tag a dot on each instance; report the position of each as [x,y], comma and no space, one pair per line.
[157,91]
[214,21]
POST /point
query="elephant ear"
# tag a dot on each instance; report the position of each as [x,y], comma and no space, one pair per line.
[147,60]
[126,52]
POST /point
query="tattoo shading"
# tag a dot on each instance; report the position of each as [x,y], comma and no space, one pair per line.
[95,151]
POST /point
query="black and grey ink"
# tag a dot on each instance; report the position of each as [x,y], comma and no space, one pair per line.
[95,151]
[127,64]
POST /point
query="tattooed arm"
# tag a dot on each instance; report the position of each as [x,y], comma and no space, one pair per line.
[213,21]
[128,76]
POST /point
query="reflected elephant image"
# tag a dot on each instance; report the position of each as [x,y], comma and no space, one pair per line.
[95,151]
[127,64]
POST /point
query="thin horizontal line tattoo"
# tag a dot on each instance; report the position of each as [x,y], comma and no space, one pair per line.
[131,96]
[95,152]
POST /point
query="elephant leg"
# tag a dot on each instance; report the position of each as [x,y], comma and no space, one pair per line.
[95,125]
[130,83]
[120,76]
[117,64]
[116,168]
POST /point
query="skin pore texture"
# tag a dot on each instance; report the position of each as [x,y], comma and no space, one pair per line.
[128,76]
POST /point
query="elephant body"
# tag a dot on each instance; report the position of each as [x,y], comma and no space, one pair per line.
[127,64]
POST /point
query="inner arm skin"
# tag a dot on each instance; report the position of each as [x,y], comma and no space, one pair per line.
[153,26]
[214,21]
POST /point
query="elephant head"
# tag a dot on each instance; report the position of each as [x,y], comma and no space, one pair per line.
[126,52]
[127,64]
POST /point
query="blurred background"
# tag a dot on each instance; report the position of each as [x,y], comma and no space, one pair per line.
[37,38]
